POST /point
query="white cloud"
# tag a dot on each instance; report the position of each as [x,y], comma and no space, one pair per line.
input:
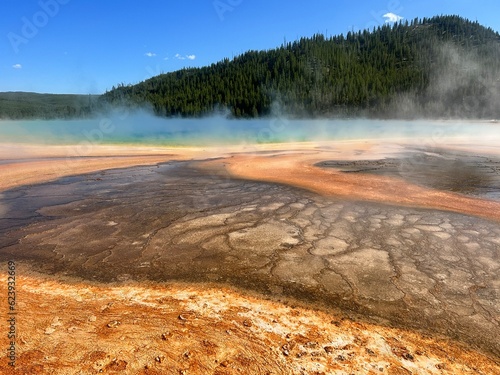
[17,66]
[391,18]
[165,58]
[150,54]
[178,56]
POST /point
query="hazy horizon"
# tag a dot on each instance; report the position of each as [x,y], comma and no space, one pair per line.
[141,128]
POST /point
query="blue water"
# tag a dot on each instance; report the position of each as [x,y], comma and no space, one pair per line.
[140,128]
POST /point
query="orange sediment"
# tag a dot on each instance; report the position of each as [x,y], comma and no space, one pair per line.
[298,170]
[67,326]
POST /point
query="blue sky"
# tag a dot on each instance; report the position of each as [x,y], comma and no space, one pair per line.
[87,46]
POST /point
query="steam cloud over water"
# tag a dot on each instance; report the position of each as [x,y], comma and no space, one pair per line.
[143,128]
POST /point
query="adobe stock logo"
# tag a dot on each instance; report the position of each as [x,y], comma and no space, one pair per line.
[223,6]
[30,26]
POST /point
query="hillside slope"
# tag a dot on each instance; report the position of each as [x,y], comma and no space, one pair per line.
[444,66]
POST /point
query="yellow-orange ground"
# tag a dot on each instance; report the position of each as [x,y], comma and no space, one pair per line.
[68,326]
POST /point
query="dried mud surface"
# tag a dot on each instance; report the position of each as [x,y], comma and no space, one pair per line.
[410,267]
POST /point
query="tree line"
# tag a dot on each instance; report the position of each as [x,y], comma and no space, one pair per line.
[28,105]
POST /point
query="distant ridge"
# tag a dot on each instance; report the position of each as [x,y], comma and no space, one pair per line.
[28,105]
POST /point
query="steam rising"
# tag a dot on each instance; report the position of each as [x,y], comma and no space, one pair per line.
[122,127]
[448,94]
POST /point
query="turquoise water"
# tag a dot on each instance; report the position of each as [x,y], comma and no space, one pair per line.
[146,129]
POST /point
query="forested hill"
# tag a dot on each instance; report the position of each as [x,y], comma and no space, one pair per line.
[438,67]
[444,66]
